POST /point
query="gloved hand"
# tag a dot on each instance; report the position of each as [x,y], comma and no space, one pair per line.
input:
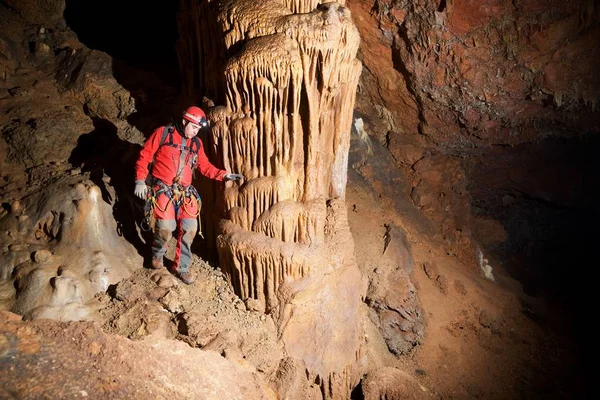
[141,190]
[233,177]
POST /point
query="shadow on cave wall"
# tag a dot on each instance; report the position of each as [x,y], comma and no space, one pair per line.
[140,37]
[544,195]
[102,153]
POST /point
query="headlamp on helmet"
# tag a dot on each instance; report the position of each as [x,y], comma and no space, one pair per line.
[196,116]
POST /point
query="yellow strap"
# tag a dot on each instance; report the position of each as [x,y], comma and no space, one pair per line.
[184,205]
[155,203]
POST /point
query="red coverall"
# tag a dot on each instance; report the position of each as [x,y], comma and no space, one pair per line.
[166,166]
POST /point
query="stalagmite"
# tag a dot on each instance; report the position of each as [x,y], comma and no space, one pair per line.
[286,73]
[67,248]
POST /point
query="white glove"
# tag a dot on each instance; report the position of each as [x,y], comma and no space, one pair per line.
[141,190]
[233,177]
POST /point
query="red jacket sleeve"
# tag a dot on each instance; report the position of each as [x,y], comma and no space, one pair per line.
[207,169]
[147,154]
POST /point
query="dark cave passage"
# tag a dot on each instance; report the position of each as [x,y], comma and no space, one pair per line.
[544,195]
[142,34]
[141,38]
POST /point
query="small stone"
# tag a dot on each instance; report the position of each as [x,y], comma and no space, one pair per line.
[6,316]
[41,256]
[442,284]
[460,287]
[405,326]
[156,293]
[167,281]
[42,48]
[253,304]
[431,270]
[419,328]
[16,208]
[485,319]
[123,291]
[172,302]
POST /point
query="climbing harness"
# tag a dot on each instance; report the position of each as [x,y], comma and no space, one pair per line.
[179,196]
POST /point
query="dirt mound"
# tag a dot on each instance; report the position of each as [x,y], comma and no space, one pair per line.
[206,314]
[154,305]
[90,363]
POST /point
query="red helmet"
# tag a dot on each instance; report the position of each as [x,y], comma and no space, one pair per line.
[196,116]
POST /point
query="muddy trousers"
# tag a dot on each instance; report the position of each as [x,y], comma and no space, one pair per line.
[170,219]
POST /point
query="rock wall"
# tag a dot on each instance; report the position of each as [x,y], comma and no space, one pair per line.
[287,82]
[451,85]
[475,74]
[66,204]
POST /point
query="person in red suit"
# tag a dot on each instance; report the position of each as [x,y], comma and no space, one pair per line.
[174,152]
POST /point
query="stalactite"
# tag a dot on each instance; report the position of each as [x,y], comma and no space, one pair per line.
[258,265]
[288,83]
[266,78]
[298,7]
[258,195]
[327,47]
[289,221]
[247,19]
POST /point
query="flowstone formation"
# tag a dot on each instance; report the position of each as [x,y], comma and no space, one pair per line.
[288,90]
[59,248]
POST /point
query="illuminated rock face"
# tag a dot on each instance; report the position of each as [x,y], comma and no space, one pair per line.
[65,248]
[288,83]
